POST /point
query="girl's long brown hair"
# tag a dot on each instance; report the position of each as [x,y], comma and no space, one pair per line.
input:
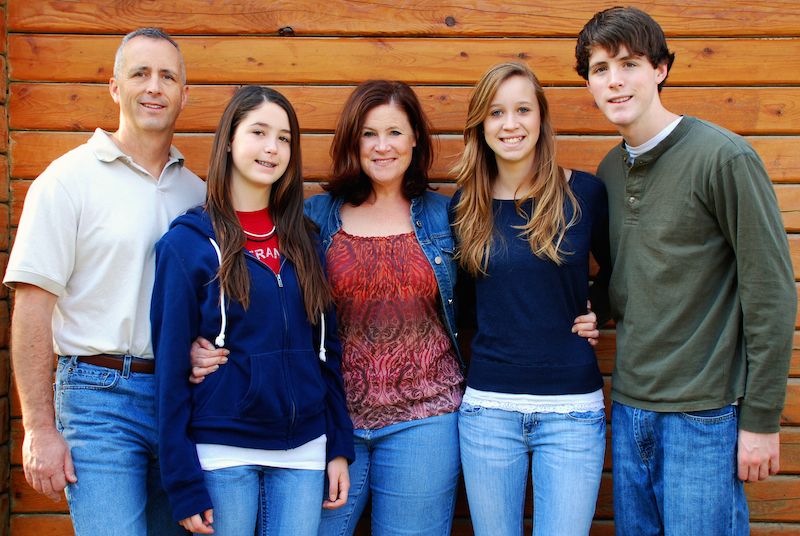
[294,230]
[477,170]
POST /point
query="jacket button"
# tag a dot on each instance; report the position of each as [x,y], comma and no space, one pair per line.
[419,223]
[438,260]
[450,301]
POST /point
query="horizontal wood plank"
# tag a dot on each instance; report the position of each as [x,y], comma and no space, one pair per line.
[3,79]
[789,203]
[794,251]
[775,500]
[377,17]
[24,499]
[60,525]
[41,525]
[773,110]
[31,152]
[318,60]
[789,447]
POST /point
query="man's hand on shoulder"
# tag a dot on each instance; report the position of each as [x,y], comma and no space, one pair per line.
[47,462]
[758,455]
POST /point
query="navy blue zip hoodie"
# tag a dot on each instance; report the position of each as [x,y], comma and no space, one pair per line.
[275,393]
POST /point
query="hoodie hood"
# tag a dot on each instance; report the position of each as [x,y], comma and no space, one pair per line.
[196,219]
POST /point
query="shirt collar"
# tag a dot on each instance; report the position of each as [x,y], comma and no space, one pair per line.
[106,150]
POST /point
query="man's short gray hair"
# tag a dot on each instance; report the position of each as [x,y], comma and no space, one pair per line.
[150,33]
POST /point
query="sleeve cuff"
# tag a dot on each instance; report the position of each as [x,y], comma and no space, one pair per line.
[757,420]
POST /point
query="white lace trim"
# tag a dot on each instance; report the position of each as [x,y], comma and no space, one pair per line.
[524,403]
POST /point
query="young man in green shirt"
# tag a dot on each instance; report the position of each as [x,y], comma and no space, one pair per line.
[702,291]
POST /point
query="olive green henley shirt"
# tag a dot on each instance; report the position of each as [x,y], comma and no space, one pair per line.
[702,288]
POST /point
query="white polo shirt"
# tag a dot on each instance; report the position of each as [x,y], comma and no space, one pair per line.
[87,234]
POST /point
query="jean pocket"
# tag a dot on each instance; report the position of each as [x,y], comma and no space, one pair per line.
[711,416]
[71,376]
[468,410]
[587,416]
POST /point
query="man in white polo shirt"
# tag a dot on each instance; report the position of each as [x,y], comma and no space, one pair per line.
[82,266]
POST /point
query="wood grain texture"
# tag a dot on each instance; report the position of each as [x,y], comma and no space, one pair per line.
[3,79]
[378,17]
[41,525]
[330,60]
[24,499]
[47,106]
[775,500]
[789,203]
[59,525]
[31,152]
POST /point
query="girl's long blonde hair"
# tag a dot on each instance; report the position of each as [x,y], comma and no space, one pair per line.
[477,170]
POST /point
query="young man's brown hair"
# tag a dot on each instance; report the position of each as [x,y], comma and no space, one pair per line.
[619,27]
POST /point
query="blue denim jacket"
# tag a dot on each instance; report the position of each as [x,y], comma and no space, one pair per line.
[432,229]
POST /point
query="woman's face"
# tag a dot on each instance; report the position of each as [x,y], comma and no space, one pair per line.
[511,127]
[386,144]
[261,147]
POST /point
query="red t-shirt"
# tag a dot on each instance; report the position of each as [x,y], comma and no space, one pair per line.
[262,240]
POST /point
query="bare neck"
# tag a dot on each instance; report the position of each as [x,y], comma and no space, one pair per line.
[642,131]
[512,177]
[150,151]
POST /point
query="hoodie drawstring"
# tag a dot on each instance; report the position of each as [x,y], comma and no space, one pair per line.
[322,356]
[220,340]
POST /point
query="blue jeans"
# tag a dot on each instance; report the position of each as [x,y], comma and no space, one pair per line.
[565,453]
[411,469]
[275,500]
[676,473]
[107,418]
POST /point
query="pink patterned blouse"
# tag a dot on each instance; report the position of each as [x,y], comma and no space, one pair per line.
[398,362]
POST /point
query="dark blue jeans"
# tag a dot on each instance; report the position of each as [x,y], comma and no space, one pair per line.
[676,473]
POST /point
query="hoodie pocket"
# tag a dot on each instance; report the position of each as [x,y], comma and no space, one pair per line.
[282,385]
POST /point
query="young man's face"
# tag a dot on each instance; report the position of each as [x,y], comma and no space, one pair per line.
[625,88]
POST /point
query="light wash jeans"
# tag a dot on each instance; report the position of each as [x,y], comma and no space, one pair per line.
[107,418]
[273,500]
[565,455]
[411,470]
[675,474]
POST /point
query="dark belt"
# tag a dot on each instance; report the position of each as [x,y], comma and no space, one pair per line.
[117,362]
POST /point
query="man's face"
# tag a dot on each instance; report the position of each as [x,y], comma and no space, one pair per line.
[625,88]
[149,90]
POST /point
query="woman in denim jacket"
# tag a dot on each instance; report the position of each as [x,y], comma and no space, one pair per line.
[389,250]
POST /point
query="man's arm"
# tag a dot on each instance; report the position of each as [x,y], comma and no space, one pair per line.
[45,455]
[748,214]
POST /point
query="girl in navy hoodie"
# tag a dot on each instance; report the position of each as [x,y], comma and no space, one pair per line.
[248,447]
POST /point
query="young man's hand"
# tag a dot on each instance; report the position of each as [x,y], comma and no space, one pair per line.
[759,455]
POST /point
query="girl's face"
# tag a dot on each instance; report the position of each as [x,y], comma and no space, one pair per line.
[386,145]
[511,128]
[261,148]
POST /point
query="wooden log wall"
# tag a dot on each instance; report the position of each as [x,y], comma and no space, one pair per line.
[738,64]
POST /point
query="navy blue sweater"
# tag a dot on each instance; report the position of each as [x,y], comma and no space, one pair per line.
[274,393]
[525,306]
